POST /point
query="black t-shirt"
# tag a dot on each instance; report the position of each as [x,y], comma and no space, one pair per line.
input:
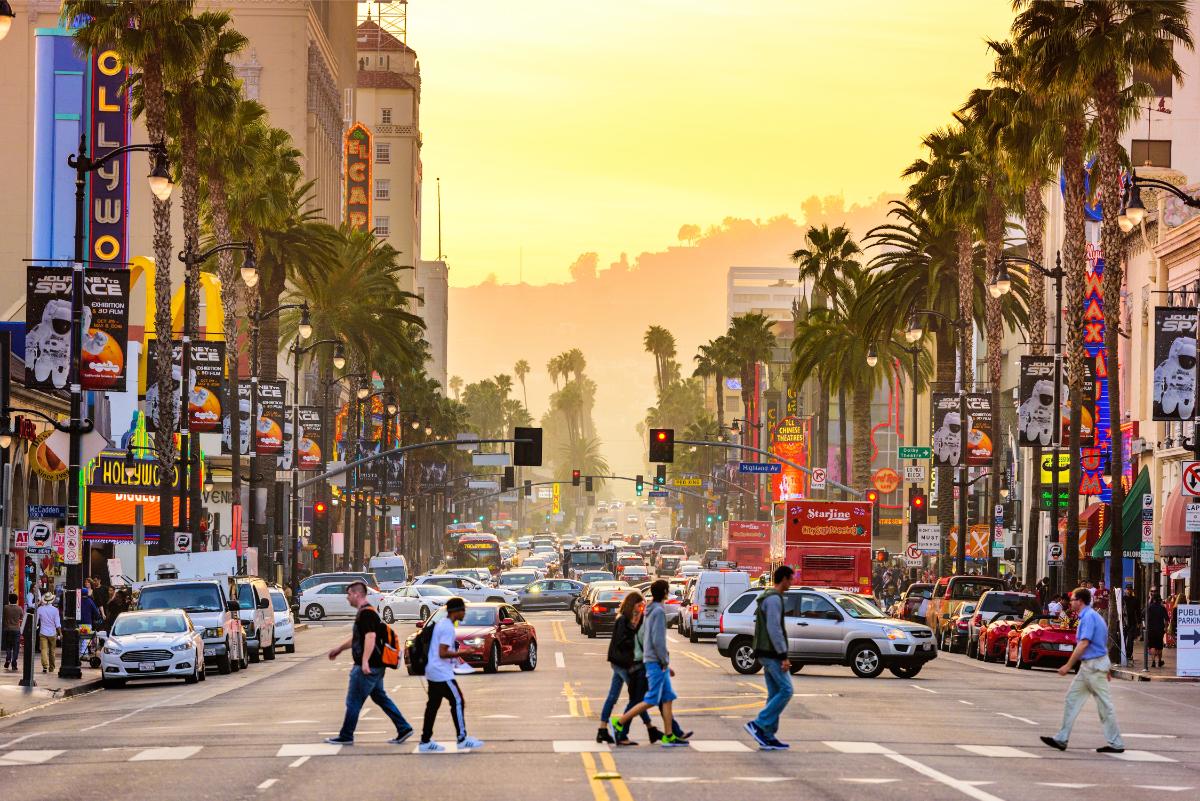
[365,622]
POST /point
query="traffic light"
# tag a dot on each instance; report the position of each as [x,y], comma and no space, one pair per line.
[528,488]
[574,478]
[660,475]
[881,555]
[872,497]
[320,513]
[637,485]
[510,478]
[527,454]
[587,483]
[662,444]
[918,506]
[710,519]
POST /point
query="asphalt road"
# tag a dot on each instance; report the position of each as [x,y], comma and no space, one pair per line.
[959,730]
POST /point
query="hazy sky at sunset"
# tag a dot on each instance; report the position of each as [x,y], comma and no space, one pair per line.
[563,126]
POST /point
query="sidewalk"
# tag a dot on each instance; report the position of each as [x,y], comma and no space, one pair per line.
[1135,672]
[49,687]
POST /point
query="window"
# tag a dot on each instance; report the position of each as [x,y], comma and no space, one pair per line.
[381,226]
[348,106]
[385,116]
[383,152]
[1151,153]
[383,188]
[814,606]
[1160,84]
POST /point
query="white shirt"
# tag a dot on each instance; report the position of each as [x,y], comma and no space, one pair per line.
[440,669]
[1054,608]
[49,621]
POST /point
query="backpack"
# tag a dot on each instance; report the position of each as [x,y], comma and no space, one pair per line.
[387,647]
[418,651]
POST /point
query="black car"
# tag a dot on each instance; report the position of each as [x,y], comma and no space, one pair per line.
[601,615]
[555,593]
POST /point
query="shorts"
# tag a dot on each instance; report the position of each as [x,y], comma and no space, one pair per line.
[659,689]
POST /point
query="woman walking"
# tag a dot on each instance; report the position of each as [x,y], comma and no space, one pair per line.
[1157,621]
[623,661]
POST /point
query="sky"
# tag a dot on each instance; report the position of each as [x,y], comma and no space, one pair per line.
[559,127]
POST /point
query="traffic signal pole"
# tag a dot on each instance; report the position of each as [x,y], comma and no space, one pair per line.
[735,446]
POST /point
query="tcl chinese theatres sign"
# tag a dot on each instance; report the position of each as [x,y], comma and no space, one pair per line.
[831,522]
[358,177]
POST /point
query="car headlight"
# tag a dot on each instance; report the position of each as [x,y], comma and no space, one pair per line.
[183,646]
[112,649]
[218,631]
[474,642]
[896,634]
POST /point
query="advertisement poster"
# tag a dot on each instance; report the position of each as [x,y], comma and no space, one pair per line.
[790,441]
[206,398]
[1174,391]
[980,433]
[828,523]
[244,427]
[48,328]
[269,430]
[947,429]
[308,439]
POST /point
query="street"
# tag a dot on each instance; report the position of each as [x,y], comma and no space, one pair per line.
[961,729]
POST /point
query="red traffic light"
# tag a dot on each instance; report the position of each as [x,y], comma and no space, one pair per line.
[661,435]
[918,501]
[872,496]
[319,507]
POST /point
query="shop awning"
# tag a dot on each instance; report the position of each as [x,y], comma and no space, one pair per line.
[1090,520]
[1131,523]
[1175,539]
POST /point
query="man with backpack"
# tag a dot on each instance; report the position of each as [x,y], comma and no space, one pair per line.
[771,648]
[443,654]
[373,645]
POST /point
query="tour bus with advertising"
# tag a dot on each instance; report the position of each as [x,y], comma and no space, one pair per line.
[478,550]
[828,543]
[747,545]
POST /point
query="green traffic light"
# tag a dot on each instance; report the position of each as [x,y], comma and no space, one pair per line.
[481,518]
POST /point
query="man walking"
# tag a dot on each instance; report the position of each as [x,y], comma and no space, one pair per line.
[439,676]
[658,673]
[12,631]
[366,676]
[1091,651]
[49,629]
[771,648]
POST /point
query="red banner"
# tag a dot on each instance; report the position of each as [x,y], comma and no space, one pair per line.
[828,523]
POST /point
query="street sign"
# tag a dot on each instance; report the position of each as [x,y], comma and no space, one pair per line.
[818,478]
[1054,555]
[929,537]
[41,512]
[1147,533]
[914,473]
[759,467]
[912,555]
[687,482]
[658,493]
[916,452]
[41,533]
[1190,482]
[183,541]
[466,435]
[20,540]
[1191,519]
[1187,658]
[72,546]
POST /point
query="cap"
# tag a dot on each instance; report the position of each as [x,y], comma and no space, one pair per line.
[455,604]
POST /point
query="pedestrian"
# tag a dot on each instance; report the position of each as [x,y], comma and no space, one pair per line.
[657,662]
[1095,673]
[1157,620]
[90,618]
[771,648]
[621,656]
[441,684]
[1055,607]
[1100,598]
[49,630]
[13,615]
[366,676]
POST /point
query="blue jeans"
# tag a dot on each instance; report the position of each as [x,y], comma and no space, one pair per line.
[620,678]
[364,686]
[637,693]
[779,693]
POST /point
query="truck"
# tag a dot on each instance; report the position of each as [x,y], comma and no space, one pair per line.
[198,564]
[828,544]
[579,558]
[747,545]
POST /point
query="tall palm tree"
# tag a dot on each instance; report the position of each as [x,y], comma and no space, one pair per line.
[660,343]
[456,385]
[751,339]
[520,370]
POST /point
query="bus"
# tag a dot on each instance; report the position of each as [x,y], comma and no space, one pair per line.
[478,549]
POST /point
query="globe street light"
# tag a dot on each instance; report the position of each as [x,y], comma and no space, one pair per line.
[872,355]
[6,18]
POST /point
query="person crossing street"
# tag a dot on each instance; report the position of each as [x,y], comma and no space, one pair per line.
[439,676]
[771,648]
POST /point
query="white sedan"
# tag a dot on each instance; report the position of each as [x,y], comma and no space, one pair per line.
[152,644]
[468,588]
[329,600]
[285,626]
[414,602]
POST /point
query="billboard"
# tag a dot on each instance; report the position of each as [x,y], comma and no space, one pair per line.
[358,177]
[308,439]
[269,429]
[790,440]
[48,328]
[1174,394]
[828,523]
[947,429]
[108,187]
[206,398]
[243,412]
[113,496]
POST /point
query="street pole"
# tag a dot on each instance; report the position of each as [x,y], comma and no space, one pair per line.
[1055,571]
[915,352]
[1194,557]
[291,550]
[252,442]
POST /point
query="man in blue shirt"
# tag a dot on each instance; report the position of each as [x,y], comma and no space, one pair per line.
[1091,644]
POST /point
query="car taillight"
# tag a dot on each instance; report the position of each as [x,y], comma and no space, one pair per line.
[962,624]
[721,624]
[695,612]
[597,609]
[977,621]
[674,601]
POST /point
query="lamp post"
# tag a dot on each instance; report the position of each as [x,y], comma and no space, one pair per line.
[1132,214]
[161,186]
[913,334]
[873,359]
[1002,285]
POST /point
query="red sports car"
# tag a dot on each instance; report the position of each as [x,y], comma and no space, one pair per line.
[1042,641]
[490,635]
[993,638]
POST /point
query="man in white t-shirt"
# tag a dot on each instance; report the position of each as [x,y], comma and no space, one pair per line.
[439,677]
[1055,607]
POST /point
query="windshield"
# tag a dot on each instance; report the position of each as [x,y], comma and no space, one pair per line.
[516,579]
[1010,604]
[971,590]
[535,562]
[149,624]
[856,607]
[189,597]
[394,573]
[596,575]
[479,616]
[611,595]
[279,602]
[432,589]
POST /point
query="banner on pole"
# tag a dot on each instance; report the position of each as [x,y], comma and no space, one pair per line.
[48,328]
[1174,391]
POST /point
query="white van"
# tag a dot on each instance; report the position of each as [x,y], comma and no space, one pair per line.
[390,568]
[714,590]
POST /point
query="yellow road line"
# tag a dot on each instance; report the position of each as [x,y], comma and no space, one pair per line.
[589,769]
[585,707]
[618,784]
[572,702]
[560,635]
[701,660]
[756,687]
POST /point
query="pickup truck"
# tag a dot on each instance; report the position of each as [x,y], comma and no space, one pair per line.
[946,601]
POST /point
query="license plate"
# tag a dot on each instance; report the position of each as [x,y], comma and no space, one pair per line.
[146,667]
[926,646]
[210,651]
[710,614]
[1066,647]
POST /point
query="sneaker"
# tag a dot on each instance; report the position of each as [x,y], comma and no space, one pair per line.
[339,740]
[402,737]
[616,730]
[431,747]
[1108,749]
[470,742]
[671,741]
[758,734]
[1050,741]
[779,745]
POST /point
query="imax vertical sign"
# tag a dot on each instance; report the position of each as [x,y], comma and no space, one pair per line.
[108,186]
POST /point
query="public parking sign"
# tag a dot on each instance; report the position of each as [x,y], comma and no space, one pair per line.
[1187,658]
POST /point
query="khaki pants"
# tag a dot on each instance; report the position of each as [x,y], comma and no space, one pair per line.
[48,644]
[1091,681]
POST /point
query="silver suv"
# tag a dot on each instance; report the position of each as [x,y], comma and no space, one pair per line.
[829,627]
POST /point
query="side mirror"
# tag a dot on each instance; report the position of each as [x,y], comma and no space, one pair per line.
[264,603]
[420,624]
[508,621]
[232,606]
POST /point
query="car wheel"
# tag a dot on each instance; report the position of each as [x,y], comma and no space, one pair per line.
[269,653]
[203,670]
[289,649]
[388,615]
[972,649]
[1007,661]
[493,661]
[905,671]
[796,668]
[255,654]
[742,657]
[591,632]
[225,662]
[985,652]
[112,684]
[194,678]
[1021,663]
[314,612]
[865,661]
[245,649]
[424,613]
[531,659]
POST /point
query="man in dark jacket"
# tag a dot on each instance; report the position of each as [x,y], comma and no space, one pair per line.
[771,648]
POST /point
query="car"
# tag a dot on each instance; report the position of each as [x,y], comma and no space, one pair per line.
[829,627]
[998,603]
[993,638]
[536,565]
[950,593]
[258,618]
[391,569]
[468,588]
[631,517]
[709,592]
[914,602]
[523,543]
[589,592]
[954,637]
[152,644]
[1040,641]
[480,574]
[635,573]
[414,602]
[329,600]
[557,593]
[592,576]
[516,579]
[689,568]
[285,624]
[212,607]
[712,556]
[316,579]
[601,614]
[490,635]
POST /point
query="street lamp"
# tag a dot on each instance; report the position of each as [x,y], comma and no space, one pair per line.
[872,355]
[6,18]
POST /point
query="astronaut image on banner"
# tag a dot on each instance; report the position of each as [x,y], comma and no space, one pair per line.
[48,344]
[947,440]
[284,460]
[243,430]
[1035,411]
[152,395]
[1174,390]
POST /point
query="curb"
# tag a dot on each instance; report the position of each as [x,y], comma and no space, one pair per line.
[1133,675]
[300,627]
[80,689]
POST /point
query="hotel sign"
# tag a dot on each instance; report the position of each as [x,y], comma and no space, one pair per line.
[358,177]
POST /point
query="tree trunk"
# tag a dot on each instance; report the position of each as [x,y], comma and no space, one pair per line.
[966,298]
[862,437]
[843,440]
[720,403]
[993,245]
[945,371]
[1035,228]
[1075,266]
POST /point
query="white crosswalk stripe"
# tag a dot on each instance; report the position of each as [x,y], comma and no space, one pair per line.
[733,746]
[1141,756]
[1001,751]
[307,749]
[166,753]
[579,747]
[27,757]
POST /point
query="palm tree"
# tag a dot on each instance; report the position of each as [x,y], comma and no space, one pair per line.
[456,385]
[520,370]
[583,454]
[659,343]
[574,362]
[751,339]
